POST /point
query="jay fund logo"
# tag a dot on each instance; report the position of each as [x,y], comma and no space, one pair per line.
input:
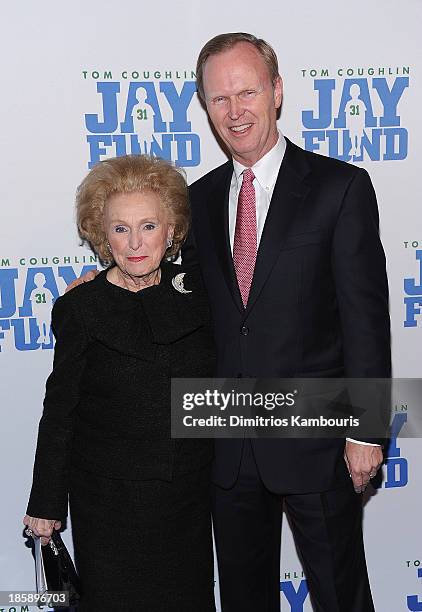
[413,295]
[27,294]
[414,602]
[359,118]
[142,117]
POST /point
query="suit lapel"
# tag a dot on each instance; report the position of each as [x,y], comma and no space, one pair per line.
[289,192]
[218,204]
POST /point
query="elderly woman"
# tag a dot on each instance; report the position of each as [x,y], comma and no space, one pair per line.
[139,501]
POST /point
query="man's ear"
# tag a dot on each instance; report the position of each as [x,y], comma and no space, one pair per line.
[278,91]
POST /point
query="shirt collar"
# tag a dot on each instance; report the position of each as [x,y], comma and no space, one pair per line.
[266,169]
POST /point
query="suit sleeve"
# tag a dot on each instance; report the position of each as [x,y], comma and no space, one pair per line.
[49,493]
[189,252]
[359,267]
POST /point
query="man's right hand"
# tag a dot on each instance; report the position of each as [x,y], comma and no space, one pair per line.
[89,276]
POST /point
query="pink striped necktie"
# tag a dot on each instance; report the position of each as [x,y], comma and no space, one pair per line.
[245,240]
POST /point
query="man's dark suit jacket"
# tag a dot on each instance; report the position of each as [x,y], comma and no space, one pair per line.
[318,305]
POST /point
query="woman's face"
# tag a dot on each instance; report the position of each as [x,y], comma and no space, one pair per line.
[137,230]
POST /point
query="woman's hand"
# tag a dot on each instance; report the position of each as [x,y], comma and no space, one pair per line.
[42,528]
[86,278]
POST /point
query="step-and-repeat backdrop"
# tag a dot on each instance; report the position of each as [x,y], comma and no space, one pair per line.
[82,81]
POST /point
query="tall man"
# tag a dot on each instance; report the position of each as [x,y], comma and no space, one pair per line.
[295,271]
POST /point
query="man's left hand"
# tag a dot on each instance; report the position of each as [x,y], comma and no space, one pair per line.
[363,462]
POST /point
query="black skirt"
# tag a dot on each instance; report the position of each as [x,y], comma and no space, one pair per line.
[143,545]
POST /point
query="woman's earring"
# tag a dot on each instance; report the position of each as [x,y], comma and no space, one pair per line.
[169,242]
[109,247]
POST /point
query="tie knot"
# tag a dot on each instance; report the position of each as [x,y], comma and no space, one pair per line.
[248,175]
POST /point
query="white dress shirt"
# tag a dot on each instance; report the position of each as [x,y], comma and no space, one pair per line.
[266,172]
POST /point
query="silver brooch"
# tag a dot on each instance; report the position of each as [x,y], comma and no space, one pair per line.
[177,283]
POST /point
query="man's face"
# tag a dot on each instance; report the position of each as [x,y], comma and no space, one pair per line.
[242,101]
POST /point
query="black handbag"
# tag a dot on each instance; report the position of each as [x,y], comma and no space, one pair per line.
[59,570]
[55,570]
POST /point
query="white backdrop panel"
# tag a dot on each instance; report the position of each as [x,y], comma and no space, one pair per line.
[55,56]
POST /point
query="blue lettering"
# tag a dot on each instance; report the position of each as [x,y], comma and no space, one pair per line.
[295,598]
[179,104]
[348,125]
[390,141]
[164,150]
[4,325]
[32,329]
[397,471]
[95,150]
[187,147]
[390,99]
[325,88]
[412,310]
[135,147]
[396,426]
[309,138]
[410,286]
[109,93]
[340,145]
[414,604]
[373,148]
[21,332]
[8,277]
[183,156]
[120,142]
[333,144]
[413,304]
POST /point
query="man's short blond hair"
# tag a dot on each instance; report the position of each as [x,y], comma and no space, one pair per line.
[225,42]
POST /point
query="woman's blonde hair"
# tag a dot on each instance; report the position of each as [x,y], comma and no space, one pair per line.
[129,174]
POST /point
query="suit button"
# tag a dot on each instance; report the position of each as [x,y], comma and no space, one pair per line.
[244,330]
